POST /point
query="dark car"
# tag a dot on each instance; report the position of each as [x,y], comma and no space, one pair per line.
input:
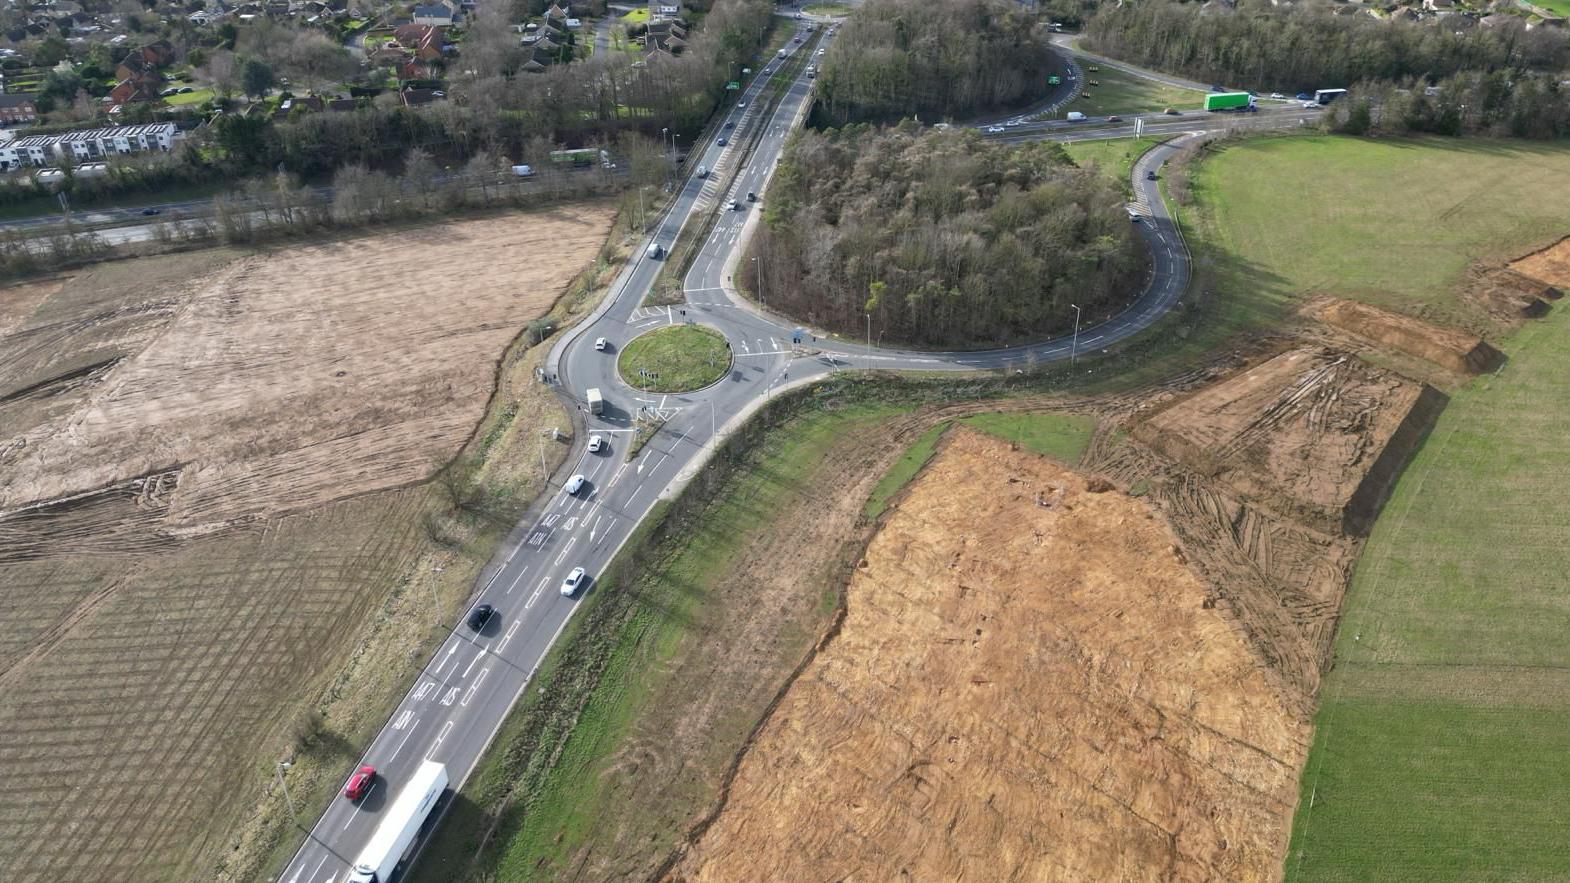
[735,206]
[729,124]
[360,783]
[752,197]
[1304,96]
[480,615]
[149,212]
[1114,119]
[1214,88]
[1150,176]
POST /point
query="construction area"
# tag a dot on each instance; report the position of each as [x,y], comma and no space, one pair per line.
[213,467]
[1104,673]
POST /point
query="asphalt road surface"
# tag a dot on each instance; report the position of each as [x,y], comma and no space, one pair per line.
[453,710]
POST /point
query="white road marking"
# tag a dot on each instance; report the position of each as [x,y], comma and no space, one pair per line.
[500,645]
[571,522]
[424,688]
[440,737]
[565,549]
[403,719]
[469,694]
[401,742]
[446,659]
[470,667]
[449,696]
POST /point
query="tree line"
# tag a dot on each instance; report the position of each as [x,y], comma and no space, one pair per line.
[1499,103]
[1303,47]
[940,237]
[934,59]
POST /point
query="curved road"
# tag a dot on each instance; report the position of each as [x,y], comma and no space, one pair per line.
[465,691]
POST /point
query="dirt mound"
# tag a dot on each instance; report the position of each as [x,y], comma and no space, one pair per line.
[283,381]
[1018,692]
[1315,434]
[1507,294]
[1549,267]
[1446,347]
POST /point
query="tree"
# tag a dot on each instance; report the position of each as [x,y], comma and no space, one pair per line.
[256,77]
[50,51]
[220,71]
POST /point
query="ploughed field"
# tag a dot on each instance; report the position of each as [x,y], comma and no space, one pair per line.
[208,471]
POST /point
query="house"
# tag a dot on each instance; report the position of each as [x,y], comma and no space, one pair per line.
[415,97]
[342,105]
[665,36]
[290,106]
[142,89]
[424,42]
[439,15]
[414,70]
[538,61]
[87,145]
[17,109]
[556,12]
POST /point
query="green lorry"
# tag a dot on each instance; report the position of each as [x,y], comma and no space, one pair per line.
[1229,101]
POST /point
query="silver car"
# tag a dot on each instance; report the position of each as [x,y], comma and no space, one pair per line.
[574,580]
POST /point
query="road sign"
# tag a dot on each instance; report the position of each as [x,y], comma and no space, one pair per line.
[796,335]
[1139,127]
[733,85]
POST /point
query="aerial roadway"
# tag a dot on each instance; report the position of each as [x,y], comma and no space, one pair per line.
[453,710]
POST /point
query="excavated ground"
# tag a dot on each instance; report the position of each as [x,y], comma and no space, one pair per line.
[1029,684]
[1303,434]
[1453,350]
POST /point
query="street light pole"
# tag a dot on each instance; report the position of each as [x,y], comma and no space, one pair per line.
[869,337]
[712,433]
[1073,348]
[283,765]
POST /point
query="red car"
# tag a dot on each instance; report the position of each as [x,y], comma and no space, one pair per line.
[360,783]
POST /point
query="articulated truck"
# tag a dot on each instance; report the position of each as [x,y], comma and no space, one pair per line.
[596,401]
[395,837]
[1229,101]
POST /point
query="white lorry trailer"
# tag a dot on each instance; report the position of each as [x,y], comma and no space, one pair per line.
[596,401]
[396,835]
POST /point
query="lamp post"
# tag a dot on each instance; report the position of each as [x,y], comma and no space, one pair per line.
[869,337]
[761,298]
[283,765]
[1073,347]
[664,137]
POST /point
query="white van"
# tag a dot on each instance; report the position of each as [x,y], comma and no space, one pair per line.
[655,252]
[1075,116]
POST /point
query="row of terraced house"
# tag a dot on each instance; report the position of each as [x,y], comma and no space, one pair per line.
[86,145]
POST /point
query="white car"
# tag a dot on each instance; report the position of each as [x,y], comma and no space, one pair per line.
[596,444]
[569,586]
[575,484]
[1014,122]
[1310,105]
[994,129]
[601,344]
[1277,95]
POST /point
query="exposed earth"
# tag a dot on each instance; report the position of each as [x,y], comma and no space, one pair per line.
[1029,684]
[209,469]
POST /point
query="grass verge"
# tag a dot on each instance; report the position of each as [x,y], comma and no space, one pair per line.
[904,469]
[676,358]
[1439,743]
[1125,93]
[1113,157]
[1063,437]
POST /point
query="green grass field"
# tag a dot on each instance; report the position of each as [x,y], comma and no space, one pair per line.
[1115,157]
[1444,727]
[827,9]
[1124,93]
[1062,437]
[1390,222]
[636,16]
[196,97]
[677,358]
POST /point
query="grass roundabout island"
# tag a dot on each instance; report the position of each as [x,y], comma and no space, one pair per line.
[676,358]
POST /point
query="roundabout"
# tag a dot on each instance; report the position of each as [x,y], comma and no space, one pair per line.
[675,358]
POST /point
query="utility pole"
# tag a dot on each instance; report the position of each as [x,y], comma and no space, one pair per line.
[712,433]
[281,766]
[869,336]
[544,475]
[1073,347]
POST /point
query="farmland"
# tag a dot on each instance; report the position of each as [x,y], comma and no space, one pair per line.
[1439,741]
[215,497]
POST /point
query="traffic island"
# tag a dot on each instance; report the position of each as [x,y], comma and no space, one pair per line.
[676,358]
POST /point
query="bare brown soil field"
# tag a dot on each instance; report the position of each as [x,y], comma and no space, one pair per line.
[1448,348]
[1028,684]
[1303,433]
[208,484]
[1549,266]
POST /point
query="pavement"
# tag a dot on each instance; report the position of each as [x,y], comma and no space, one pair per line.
[465,691]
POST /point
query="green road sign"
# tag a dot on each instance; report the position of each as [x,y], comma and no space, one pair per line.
[733,85]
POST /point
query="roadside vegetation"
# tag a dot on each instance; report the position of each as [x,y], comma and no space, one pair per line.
[1442,729]
[1113,157]
[933,59]
[941,238]
[1063,437]
[1118,92]
[1292,48]
[676,358]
